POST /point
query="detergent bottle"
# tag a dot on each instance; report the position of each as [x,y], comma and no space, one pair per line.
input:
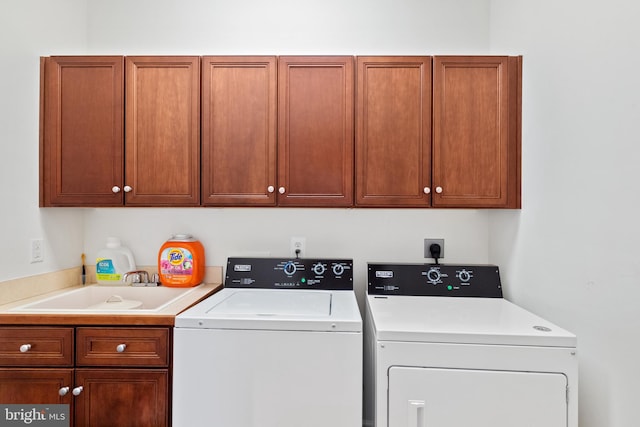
[181,262]
[112,262]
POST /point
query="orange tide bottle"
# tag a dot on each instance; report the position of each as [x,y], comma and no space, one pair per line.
[181,262]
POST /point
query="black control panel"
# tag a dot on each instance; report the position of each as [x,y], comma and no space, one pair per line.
[286,273]
[434,280]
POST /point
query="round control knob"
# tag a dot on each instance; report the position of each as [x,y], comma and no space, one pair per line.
[290,268]
[338,269]
[319,269]
[464,276]
[433,275]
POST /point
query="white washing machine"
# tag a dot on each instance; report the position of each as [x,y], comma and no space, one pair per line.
[444,349]
[279,346]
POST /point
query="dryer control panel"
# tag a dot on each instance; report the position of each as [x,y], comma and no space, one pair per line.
[434,280]
[287,273]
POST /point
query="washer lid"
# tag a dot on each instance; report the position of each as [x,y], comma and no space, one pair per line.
[275,309]
[461,320]
[256,302]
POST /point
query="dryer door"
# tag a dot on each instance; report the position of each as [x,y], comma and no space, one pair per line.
[426,397]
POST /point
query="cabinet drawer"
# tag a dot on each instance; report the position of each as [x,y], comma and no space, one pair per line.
[36,346]
[122,347]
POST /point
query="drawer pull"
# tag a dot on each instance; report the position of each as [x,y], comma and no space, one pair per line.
[76,391]
[25,347]
[121,347]
[63,391]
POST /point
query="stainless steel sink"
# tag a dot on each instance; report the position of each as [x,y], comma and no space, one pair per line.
[99,298]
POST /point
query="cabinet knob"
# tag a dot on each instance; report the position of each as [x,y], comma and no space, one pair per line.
[438,190]
[63,391]
[426,190]
[121,347]
[25,347]
[271,189]
[127,188]
[115,189]
[76,391]
[281,190]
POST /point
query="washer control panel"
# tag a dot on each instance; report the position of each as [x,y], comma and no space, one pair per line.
[434,280]
[297,273]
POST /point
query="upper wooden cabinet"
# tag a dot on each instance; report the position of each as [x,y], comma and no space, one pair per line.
[308,131]
[393,138]
[315,131]
[162,157]
[239,128]
[81,131]
[476,131]
[84,158]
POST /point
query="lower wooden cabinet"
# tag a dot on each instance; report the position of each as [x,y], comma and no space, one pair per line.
[122,397]
[118,377]
[37,386]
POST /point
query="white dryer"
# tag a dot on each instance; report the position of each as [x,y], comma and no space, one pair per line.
[444,349]
[279,346]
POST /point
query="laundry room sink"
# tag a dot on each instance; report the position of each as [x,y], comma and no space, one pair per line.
[99,298]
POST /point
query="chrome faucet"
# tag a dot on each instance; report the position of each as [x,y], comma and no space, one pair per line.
[137,276]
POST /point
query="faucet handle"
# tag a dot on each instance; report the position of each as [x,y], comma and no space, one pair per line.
[137,276]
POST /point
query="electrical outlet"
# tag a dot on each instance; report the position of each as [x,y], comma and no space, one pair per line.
[427,245]
[298,244]
[37,250]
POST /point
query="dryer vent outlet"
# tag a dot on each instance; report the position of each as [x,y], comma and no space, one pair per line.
[427,247]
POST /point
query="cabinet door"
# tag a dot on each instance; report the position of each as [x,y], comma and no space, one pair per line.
[81,131]
[239,131]
[162,162]
[122,397]
[36,386]
[476,145]
[393,138]
[315,131]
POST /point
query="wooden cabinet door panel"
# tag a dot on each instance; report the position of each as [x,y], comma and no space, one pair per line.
[393,139]
[239,131]
[82,139]
[35,386]
[122,397]
[476,135]
[315,131]
[163,131]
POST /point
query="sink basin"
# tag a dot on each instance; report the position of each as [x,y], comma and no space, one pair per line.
[100,298]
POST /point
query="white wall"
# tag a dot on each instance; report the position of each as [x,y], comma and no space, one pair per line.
[572,253]
[29,29]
